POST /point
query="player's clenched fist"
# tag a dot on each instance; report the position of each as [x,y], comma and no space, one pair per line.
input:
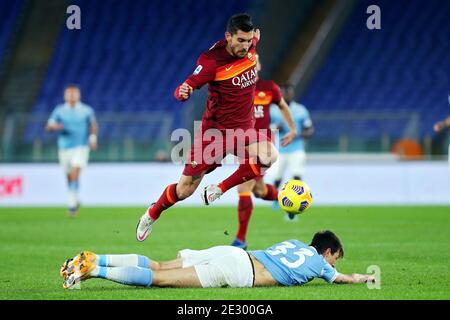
[183,92]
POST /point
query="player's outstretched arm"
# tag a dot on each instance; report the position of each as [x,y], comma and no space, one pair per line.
[287,116]
[354,278]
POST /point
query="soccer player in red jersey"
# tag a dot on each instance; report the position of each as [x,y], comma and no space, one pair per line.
[266,93]
[229,69]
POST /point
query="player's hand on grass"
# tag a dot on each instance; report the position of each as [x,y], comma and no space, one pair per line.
[370,279]
[287,138]
[364,278]
[185,91]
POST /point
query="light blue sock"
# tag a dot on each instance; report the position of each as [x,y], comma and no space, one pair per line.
[123,260]
[74,185]
[133,276]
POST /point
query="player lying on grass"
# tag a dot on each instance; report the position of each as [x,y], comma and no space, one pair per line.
[287,263]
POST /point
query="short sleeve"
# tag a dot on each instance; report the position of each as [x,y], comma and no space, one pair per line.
[274,115]
[91,115]
[307,122]
[54,117]
[329,273]
[204,72]
[276,93]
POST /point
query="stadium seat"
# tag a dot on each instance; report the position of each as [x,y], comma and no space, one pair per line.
[387,71]
[124,63]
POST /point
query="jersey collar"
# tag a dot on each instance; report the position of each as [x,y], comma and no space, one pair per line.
[77,105]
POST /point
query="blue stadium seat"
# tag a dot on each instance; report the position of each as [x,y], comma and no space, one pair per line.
[130,55]
[9,11]
[402,67]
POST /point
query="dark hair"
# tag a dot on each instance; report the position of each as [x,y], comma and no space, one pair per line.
[323,240]
[240,21]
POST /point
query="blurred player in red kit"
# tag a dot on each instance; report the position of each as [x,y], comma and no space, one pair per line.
[229,69]
[267,92]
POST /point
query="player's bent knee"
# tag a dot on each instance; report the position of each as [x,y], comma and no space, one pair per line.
[268,158]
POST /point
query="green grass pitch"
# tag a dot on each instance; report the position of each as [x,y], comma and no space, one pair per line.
[410,245]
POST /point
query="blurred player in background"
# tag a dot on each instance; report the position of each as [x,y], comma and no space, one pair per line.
[288,263]
[291,156]
[229,69]
[77,129]
[442,125]
[267,92]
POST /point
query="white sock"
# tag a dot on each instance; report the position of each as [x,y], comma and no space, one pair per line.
[73,198]
[123,260]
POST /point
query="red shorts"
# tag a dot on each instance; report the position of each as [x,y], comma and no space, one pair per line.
[211,147]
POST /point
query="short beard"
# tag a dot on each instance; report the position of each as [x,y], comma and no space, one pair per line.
[239,56]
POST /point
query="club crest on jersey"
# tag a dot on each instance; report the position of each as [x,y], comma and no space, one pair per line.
[198,69]
[251,57]
[261,94]
[194,164]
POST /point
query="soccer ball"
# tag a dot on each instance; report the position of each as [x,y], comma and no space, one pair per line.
[295,197]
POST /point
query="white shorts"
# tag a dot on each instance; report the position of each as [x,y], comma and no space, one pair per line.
[295,161]
[220,266]
[73,157]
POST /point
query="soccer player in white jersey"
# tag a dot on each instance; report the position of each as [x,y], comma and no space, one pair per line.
[441,125]
[288,263]
[77,129]
[291,156]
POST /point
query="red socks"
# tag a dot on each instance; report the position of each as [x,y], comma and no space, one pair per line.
[246,171]
[245,208]
[168,198]
[271,193]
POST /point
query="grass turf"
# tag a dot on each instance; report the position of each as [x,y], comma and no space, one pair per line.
[409,244]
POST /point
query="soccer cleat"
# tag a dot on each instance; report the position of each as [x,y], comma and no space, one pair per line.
[144,226]
[291,217]
[78,268]
[239,244]
[211,193]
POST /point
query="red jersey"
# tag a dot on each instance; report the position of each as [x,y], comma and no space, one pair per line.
[267,92]
[231,86]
